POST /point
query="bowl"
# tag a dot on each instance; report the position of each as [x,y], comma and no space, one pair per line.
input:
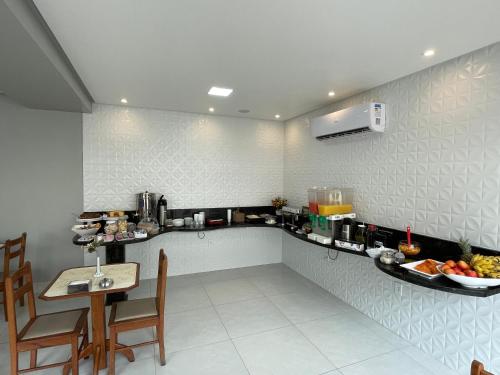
[412,250]
[374,252]
[178,222]
[472,282]
[86,229]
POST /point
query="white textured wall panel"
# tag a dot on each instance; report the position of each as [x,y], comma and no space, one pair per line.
[219,249]
[195,160]
[452,328]
[437,166]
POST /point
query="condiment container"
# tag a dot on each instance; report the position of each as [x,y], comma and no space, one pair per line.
[111,227]
[411,250]
[387,256]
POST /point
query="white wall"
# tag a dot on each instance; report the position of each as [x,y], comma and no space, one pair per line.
[452,328]
[41,184]
[437,166]
[195,160]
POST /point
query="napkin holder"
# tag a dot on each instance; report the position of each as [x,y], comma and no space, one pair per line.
[79,286]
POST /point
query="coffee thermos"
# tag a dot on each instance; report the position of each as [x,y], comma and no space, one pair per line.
[162,211]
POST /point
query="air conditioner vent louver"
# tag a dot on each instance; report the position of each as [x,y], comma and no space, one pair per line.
[344,134]
[364,118]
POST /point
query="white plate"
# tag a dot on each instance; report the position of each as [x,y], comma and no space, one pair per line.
[89,220]
[472,282]
[411,267]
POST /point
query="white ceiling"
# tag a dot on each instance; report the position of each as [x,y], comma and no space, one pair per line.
[279,56]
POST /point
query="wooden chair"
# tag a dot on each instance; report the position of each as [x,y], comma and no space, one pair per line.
[477,368]
[12,249]
[138,314]
[41,331]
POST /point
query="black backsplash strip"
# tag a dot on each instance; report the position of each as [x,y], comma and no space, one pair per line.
[431,247]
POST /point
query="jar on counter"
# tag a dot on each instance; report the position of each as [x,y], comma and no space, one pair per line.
[360,235]
[387,256]
[122,225]
[370,236]
[111,227]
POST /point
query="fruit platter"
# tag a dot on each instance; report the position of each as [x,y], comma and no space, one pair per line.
[473,270]
[480,271]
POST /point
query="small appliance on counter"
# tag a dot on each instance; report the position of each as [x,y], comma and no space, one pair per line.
[146,205]
[292,217]
[162,211]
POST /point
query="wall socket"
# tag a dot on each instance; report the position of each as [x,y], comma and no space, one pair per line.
[398,288]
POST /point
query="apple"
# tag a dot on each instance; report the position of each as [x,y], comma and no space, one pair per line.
[449,271]
[470,273]
[445,267]
[451,263]
[460,273]
[463,266]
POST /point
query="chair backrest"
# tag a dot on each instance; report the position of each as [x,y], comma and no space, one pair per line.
[161,282]
[14,248]
[12,295]
[477,368]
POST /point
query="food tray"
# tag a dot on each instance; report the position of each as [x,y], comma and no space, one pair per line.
[411,267]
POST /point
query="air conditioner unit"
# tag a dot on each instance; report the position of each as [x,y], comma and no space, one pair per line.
[369,117]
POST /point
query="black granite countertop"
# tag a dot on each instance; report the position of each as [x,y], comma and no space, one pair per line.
[442,283]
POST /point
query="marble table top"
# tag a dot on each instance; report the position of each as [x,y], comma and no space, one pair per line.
[125,276]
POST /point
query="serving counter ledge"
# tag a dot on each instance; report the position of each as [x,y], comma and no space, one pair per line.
[115,253]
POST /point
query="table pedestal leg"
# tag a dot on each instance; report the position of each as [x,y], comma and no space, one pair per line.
[99,330]
[115,253]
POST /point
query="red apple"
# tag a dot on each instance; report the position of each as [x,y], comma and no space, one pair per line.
[463,266]
[449,271]
[445,267]
[460,273]
[470,273]
[451,263]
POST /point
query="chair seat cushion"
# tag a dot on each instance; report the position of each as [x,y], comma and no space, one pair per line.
[135,309]
[54,324]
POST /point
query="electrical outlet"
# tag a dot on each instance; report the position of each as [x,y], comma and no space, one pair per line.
[398,288]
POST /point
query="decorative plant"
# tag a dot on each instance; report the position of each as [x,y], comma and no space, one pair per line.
[93,245]
[279,202]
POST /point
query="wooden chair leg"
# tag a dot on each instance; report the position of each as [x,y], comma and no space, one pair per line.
[97,356]
[14,363]
[74,355]
[21,300]
[112,352]
[161,343]
[33,356]
[4,307]
[85,340]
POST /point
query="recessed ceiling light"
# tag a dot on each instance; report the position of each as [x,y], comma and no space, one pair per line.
[277,116]
[124,100]
[220,91]
[211,109]
[331,93]
[429,52]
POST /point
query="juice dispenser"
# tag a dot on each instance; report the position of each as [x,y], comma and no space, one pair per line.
[313,200]
[332,201]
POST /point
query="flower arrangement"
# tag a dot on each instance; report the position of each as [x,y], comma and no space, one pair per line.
[279,202]
[93,245]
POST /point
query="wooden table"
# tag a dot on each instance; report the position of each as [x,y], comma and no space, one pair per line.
[125,277]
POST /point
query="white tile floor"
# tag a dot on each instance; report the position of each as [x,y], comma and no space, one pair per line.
[255,320]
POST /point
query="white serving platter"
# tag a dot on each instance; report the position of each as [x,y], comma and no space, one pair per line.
[411,267]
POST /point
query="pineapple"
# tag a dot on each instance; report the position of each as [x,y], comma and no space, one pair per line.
[465,245]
